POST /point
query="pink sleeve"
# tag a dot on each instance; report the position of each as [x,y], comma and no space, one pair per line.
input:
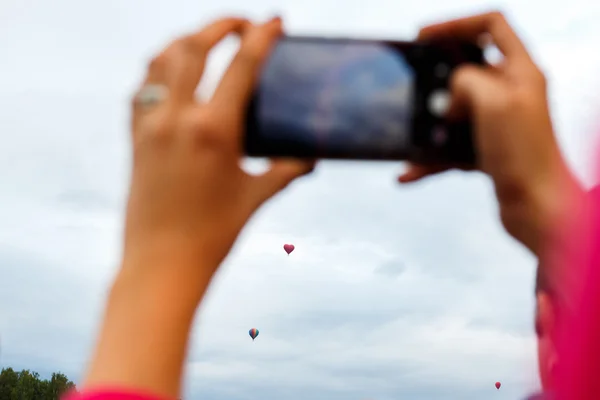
[112,394]
[579,345]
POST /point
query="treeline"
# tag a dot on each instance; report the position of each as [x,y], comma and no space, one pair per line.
[27,385]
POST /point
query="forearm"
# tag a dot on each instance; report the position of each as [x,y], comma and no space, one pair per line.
[553,221]
[144,336]
[539,216]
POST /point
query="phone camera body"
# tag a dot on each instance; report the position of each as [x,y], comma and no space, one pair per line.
[362,100]
[435,137]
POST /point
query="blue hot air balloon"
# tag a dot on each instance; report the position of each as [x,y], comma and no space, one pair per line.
[253,333]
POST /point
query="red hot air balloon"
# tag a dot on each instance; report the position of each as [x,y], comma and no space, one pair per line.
[498,384]
[253,333]
[288,248]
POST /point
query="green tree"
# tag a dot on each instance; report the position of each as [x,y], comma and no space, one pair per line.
[27,385]
[58,385]
[8,382]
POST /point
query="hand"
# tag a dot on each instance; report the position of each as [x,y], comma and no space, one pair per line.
[188,201]
[189,197]
[514,136]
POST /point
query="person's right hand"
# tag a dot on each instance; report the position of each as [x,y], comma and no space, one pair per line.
[514,137]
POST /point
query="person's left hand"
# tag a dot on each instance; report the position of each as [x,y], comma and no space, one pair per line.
[189,198]
[188,201]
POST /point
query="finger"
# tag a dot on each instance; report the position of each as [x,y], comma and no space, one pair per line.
[193,51]
[471,28]
[181,65]
[157,76]
[281,174]
[177,70]
[416,172]
[239,81]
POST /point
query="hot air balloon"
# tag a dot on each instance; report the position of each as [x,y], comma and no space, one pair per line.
[497,384]
[288,248]
[253,333]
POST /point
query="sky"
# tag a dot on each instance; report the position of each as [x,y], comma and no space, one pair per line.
[392,292]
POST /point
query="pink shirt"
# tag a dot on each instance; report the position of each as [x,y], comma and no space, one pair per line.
[112,394]
[579,350]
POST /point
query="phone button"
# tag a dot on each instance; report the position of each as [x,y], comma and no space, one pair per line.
[439,102]
[439,136]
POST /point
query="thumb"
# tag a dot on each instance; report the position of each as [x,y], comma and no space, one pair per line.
[416,172]
[281,174]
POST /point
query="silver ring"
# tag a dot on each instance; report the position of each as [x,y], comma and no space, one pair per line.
[151,95]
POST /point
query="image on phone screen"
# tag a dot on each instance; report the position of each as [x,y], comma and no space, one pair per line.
[334,99]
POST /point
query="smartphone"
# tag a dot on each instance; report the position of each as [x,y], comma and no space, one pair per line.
[323,98]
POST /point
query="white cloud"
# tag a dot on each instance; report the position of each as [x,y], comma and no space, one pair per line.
[452,321]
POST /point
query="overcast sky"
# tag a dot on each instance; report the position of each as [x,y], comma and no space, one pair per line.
[392,292]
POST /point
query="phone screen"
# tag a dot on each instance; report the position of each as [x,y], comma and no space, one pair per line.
[351,99]
[337,99]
